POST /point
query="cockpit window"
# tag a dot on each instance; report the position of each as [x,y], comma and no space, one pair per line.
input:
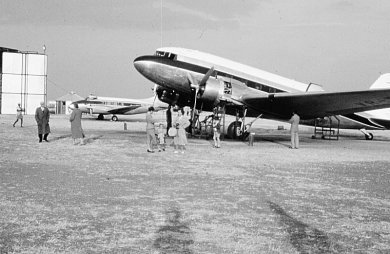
[166,55]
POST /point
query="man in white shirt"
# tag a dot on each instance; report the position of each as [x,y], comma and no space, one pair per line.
[294,130]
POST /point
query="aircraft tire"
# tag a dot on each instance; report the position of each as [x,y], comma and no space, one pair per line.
[370,136]
[233,130]
[100,117]
[114,118]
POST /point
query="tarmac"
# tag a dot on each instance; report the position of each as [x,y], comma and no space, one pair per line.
[111,196]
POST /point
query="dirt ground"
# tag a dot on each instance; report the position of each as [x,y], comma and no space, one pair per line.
[111,196]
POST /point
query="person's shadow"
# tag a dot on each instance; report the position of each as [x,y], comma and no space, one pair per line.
[175,236]
[304,238]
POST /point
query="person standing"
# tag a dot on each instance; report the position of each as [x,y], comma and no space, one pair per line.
[19,115]
[75,125]
[150,130]
[42,116]
[217,132]
[181,123]
[169,118]
[294,130]
[161,136]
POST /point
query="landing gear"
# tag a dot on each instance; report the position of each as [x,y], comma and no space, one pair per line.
[238,129]
[114,118]
[368,135]
[100,117]
[234,130]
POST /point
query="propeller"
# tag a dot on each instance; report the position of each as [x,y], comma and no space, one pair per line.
[199,86]
[154,92]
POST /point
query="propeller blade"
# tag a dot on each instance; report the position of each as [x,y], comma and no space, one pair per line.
[206,77]
[197,86]
[194,108]
[192,82]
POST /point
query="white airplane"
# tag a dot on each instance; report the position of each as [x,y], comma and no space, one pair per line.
[117,106]
[186,77]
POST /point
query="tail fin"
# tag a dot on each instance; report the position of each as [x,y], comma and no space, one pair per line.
[380,116]
[382,82]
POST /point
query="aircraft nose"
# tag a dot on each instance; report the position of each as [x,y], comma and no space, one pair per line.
[140,64]
[147,66]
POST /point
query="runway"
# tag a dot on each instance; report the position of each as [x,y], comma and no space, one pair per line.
[111,196]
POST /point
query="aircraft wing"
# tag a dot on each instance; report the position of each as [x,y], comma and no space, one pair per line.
[123,110]
[311,105]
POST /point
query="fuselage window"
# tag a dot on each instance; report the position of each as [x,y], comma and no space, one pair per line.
[255,85]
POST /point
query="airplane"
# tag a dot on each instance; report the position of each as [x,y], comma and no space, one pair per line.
[117,106]
[186,77]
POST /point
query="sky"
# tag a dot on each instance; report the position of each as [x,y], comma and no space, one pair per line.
[91,44]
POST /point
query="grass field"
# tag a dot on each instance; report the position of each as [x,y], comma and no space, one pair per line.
[111,196]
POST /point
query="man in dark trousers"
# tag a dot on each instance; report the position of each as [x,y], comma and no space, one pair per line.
[42,116]
[169,118]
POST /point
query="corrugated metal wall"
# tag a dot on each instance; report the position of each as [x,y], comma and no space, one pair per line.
[23,80]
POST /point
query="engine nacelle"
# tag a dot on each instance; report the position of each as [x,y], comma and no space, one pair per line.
[212,91]
[167,96]
[209,95]
[171,97]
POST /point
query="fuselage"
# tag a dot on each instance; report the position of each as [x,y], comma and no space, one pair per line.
[171,67]
[112,105]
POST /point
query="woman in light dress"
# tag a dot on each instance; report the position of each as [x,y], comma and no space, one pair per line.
[181,123]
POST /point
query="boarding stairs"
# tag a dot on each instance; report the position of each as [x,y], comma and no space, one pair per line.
[324,128]
[204,128]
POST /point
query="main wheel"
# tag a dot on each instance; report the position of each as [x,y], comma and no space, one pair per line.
[100,117]
[234,130]
[114,118]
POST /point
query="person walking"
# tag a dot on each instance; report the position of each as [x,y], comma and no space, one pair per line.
[19,115]
[150,130]
[42,116]
[294,130]
[75,125]
[181,123]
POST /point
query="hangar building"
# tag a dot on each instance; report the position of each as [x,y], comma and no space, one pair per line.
[23,79]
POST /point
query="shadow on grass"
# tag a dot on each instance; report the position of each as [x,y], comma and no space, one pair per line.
[277,140]
[91,139]
[303,237]
[61,137]
[175,236]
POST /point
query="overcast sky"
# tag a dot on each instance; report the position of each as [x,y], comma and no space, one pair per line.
[91,44]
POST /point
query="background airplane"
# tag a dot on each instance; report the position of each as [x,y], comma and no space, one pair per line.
[117,106]
[207,82]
